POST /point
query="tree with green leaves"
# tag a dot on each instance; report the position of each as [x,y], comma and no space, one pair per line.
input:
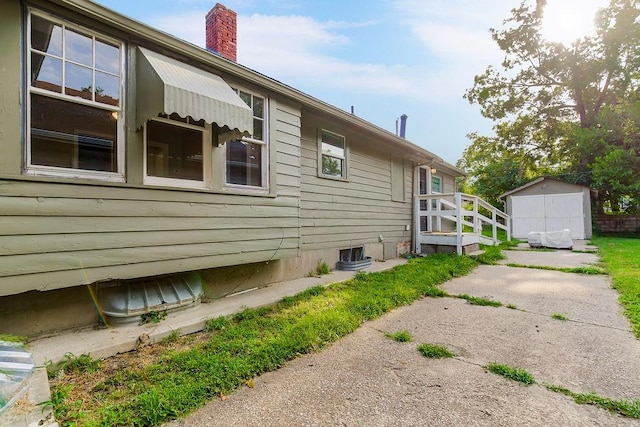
[553,104]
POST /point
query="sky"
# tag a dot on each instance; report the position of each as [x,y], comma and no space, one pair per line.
[384,58]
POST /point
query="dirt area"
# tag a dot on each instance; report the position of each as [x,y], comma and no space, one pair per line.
[367,379]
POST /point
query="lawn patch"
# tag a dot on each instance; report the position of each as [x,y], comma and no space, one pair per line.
[559,316]
[620,257]
[515,374]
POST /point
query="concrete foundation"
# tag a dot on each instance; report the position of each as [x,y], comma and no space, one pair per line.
[448,249]
[34,314]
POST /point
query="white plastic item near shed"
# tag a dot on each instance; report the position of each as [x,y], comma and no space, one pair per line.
[16,366]
[560,239]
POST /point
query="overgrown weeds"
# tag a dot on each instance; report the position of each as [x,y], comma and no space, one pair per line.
[578,270]
[627,408]
[515,374]
[248,344]
[491,255]
[433,351]
[153,316]
[479,301]
[400,336]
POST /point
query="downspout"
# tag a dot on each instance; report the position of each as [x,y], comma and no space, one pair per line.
[416,209]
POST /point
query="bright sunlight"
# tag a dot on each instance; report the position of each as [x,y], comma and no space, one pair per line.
[567,20]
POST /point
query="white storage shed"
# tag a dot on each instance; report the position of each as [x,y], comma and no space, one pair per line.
[547,204]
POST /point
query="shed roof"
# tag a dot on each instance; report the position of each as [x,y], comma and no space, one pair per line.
[534,182]
[204,57]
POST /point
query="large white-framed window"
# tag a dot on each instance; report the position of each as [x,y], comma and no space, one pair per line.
[177,152]
[247,159]
[75,101]
[332,155]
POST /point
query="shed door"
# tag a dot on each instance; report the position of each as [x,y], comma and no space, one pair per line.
[551,212]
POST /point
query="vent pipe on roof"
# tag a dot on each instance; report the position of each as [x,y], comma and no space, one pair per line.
[403,125]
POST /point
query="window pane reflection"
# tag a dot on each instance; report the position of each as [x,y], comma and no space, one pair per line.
[174,152]
[107,89]
[78,47]
[46,72]
[78,81]
[71,135]
[244,163]
[46,36]
[107,57]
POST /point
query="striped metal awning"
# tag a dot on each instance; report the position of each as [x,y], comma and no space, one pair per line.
[165,85]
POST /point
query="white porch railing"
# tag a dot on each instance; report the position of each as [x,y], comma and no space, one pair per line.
[458,213]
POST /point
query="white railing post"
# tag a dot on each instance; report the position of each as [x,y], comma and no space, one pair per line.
[458,203]
[494,223]
[477,223]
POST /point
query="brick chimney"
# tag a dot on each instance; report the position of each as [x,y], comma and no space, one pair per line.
[221,31]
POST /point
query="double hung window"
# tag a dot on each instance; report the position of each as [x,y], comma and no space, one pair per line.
[75,101]
[246,158]
[332,148]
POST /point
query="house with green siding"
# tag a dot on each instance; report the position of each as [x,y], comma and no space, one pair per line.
[131,160]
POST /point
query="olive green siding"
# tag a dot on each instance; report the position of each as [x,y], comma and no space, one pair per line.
[60,234]
[10,88]
[359,210]
[63,232]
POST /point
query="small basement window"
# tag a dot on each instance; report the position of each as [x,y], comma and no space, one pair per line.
[353,259]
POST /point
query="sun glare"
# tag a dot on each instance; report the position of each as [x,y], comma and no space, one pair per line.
[567,20]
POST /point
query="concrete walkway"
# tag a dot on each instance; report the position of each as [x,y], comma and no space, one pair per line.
[366,379]
[105,342]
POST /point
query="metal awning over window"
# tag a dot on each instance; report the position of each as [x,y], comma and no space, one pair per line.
[165,85]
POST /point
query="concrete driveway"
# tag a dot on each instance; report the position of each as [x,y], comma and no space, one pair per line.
[366,379]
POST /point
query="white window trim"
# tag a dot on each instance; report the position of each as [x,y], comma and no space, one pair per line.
[265,166]
[53,171]
[175,182]
[345,158]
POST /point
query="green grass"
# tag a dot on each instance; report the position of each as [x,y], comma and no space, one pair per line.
[577,270]
[621,257]
[515,374]
[73,363]
[400,336]
[433,351]
[153,317]
[16,339]
[627,408]
[252,342]
[512,306]
[479,301]
[491,255]
[174,336]
[559,316]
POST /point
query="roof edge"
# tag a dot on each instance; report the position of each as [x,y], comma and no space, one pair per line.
[130,25]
